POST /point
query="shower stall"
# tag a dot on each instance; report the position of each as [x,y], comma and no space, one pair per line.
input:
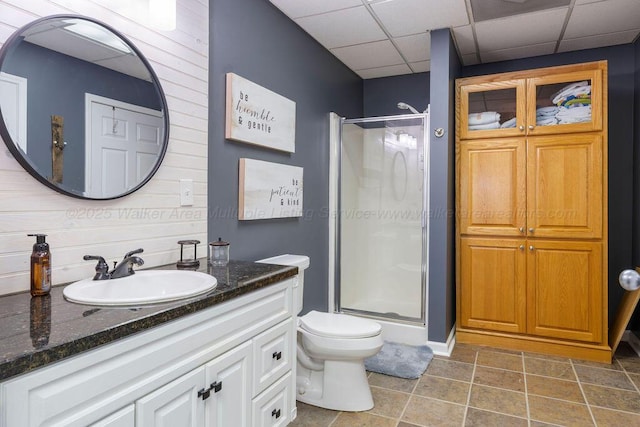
[381,223]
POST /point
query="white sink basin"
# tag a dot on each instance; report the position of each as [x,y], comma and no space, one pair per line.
[143,287]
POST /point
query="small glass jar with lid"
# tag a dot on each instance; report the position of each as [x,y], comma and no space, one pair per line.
[219,253]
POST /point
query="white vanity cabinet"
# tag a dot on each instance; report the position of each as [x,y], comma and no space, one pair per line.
[228,365]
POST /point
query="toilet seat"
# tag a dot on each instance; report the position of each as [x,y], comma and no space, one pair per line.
[332,325]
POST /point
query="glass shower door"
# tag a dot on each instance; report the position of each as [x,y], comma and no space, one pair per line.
[382,238]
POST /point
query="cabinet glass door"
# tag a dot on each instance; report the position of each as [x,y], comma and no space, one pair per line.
[564,103]
[492,109]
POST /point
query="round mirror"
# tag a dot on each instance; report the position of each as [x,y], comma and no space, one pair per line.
[80,107]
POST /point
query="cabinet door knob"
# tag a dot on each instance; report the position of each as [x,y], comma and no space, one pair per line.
[531,230]
[521,229]
[531,127]
[521,128]
[531,248]
[522,247]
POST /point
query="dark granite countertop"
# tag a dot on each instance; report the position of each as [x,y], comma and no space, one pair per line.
[41,330]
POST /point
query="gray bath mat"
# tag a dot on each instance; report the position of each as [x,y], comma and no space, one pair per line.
[400,360]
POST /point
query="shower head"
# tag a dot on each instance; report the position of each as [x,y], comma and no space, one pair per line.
[405,106]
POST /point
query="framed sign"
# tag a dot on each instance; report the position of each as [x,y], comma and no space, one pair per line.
[259,116]
[269,190]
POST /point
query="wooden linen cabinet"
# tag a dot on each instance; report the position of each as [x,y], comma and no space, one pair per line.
[531,207]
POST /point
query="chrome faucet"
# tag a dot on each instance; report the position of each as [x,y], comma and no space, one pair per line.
[123,269]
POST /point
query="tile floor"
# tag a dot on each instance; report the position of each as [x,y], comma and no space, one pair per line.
[483,386]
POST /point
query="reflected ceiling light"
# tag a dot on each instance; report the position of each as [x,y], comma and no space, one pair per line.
[98,34]
[162,14]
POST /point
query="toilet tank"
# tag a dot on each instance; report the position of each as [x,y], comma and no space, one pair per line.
[300,261]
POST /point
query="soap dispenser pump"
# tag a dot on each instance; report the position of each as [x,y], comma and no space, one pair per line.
[40,266]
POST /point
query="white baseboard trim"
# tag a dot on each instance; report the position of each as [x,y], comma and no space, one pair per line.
[444,348]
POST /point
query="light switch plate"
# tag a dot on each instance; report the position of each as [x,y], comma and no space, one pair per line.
[186,192]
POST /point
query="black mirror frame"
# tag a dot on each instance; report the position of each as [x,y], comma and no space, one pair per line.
[24,162]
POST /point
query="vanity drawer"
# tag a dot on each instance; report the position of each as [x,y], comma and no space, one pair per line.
[271,408]
[272,355]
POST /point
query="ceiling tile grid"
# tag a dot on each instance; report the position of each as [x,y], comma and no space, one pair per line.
[521,30]
[336,29]
[380,38]
[404,17]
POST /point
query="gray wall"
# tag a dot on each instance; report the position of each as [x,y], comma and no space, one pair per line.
[622,76]
[382,95]
[445,68]
[56,85]
[255,40]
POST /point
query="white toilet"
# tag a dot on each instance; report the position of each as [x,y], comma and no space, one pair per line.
[331,352]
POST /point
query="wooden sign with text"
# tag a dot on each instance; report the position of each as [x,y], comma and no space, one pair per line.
[269,190]
[259,116]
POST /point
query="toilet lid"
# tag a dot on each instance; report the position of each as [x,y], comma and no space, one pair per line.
[339,325]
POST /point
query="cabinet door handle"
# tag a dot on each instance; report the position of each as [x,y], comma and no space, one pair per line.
[521,128]
[277,355]
[521,229]
[531,230]
[522,247]
[531,127]
[275,413]
[204,393]
[531,248]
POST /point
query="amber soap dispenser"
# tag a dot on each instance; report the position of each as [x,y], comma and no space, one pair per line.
[40,266]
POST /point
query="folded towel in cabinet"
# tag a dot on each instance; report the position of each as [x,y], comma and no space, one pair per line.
[494,125]
[574,114]
[546,121]
[547,111]
[576,102]
[570,87]
[511,123]
[483,118]
[575,90]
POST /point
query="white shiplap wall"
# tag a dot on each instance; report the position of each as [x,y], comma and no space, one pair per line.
[150,218]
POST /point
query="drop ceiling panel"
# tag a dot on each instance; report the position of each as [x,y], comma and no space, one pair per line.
[518,52]
[603,17]
[298,8]
[420,67]
[485,10]
[404,17]
[464,39]
[587,1]
[369,55]
[598,41]
[336,29]
[392,70]
[414,48]
[521,30]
